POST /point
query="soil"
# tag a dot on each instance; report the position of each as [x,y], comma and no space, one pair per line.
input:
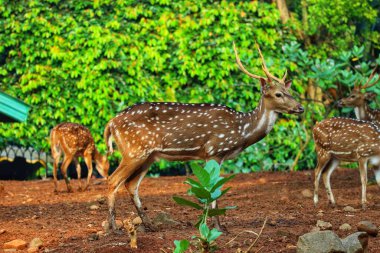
[65,222]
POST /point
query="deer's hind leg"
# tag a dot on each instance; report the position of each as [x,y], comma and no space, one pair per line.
[326,174]
[125,170]
[323,158]
[56,154]
[132,185]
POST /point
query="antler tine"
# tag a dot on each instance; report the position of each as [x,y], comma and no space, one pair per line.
[241,67]
[264,66]
[367,85]
[284,76]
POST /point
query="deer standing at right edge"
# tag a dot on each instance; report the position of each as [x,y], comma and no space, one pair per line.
[359,101]
[147,132]
[345,139]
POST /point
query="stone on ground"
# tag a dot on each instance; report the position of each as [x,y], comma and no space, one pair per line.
[94,207]
[349,209]
[36,243]
[369,227]
[320,242]
[324,225]
[345,227]
[307,193]
[356,243]
[15,244]
[163,218]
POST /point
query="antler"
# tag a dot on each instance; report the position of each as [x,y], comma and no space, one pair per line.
[264,66]
[241,67]
[367,85]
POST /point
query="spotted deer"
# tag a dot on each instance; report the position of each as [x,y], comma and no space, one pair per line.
[359,101]
[148,132]
[75,141]
[344,139]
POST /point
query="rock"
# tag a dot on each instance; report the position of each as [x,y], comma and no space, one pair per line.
[349,209]
[320,242]
[119,224]
[307,193]
[369,227]
[345,227]
[323,225]
[94,207]
[106,226]
[100,233]
[320,213]
[36,243]
[101,199]
[93,237]
[356,243]
[2,231]
[33,250]
[15,244]
[163,218]
[137,221]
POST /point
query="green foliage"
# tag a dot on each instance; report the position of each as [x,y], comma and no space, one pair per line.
[85,61]
[206,189]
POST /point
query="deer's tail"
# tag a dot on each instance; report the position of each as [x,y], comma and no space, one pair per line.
[108,138]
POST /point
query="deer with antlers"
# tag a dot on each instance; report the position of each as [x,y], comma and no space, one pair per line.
[359,101]
[148,132]
[344,139]
[75,141]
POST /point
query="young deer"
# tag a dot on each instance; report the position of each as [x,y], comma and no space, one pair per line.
[75,141]
[344,139]
[147,132]
[359,101]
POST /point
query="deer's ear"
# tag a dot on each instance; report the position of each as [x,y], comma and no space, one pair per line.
[263,84]
[369,96]
[288,84]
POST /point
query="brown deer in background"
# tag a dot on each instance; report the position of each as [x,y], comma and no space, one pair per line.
[148,132]
[344,139]
[359,101]
[75,141]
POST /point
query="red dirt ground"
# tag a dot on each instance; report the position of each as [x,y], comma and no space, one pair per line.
[65,222]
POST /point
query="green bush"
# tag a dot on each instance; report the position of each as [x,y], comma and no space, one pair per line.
[84,61]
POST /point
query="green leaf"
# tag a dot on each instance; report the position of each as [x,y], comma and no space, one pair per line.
[201,193]
[214,233]
[181,246]
[204,230]
[202,175]
[221,182]
[193,183]
[185,202]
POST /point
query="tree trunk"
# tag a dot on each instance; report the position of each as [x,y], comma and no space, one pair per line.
[284,12]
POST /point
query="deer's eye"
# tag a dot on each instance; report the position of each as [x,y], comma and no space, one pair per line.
[352,96]
[278,95]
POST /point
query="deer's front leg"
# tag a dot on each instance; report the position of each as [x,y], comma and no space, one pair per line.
[88,161]
[78,168]
[65,165]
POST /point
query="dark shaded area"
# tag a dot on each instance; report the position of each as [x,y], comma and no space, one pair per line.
[5,118]
[19,169]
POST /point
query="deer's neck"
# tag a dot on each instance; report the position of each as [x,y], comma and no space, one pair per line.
[258,123]
[363,112]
